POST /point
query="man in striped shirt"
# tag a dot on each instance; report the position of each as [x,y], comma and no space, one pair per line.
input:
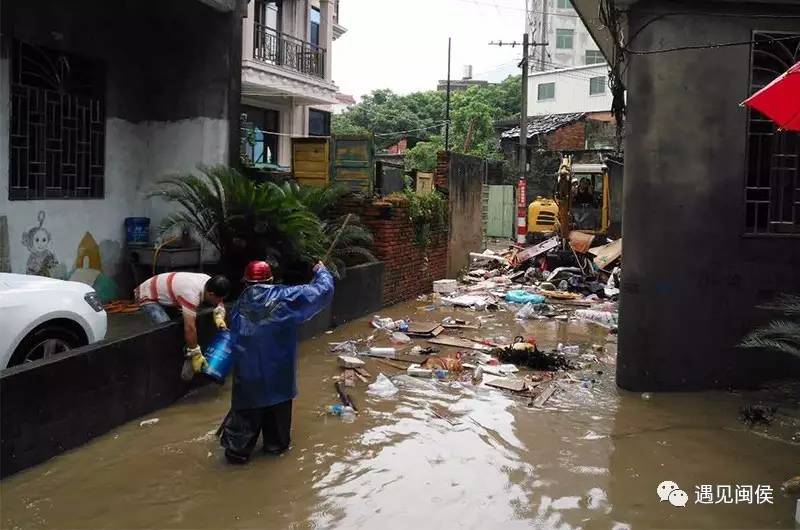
[184,291]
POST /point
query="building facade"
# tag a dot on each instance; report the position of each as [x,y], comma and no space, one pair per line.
[567,90]
[712,190]
[93,111]
[287,88]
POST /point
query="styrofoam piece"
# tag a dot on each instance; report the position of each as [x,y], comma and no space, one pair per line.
[445,286]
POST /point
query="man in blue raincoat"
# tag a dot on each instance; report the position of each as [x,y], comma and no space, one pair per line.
[263,328]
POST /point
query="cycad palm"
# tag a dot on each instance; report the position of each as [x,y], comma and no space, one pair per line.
[354,239]
[779,335]
[244,220]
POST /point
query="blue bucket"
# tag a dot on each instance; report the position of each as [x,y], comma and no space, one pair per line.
[137,229]
[219,357]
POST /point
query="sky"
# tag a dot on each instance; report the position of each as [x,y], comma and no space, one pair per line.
[402,44]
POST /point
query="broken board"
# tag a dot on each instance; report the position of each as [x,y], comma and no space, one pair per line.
[424,329]
[531,252]
[507,383]
[607,253]
[455,342]
[544,395]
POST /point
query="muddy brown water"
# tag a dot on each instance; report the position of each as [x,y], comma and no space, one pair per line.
[591,458]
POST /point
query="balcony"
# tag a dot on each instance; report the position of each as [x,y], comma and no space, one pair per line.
[279,49]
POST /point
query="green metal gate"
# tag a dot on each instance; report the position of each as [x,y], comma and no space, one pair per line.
[501,211]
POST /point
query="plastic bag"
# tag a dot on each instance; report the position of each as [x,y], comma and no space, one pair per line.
[529,311]
[382,387]
[399,337]
[524,297]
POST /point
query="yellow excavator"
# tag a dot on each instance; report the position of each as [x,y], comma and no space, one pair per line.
[581,202]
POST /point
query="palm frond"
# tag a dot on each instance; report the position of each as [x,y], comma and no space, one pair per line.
[778,335]
[788,304]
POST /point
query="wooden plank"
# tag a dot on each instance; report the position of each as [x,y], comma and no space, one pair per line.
[420,327]
[535,250]
[362,372]
[396,366]
[460,326]
[349,378]
[455,342]
[544,395]
[607,253]
[410,358]
[506,383]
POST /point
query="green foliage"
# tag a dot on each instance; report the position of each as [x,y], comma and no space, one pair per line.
[426,210]
[422,156]
[383,112]
[779,335]
[353,246]
[242,219]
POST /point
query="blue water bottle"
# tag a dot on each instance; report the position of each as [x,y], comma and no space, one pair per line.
[219,357]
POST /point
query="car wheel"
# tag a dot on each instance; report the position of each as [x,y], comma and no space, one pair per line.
[45,342]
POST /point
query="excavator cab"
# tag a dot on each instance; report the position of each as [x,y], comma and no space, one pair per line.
[581,202]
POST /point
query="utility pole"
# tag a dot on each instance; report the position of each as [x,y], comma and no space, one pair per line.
[543,55]
[447,106]
[523,115]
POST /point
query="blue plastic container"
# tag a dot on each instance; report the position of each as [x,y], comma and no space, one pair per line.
[219,357]
[137,229]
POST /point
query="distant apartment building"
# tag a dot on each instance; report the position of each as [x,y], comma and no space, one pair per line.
[567,41]
[575,89]
[287,89]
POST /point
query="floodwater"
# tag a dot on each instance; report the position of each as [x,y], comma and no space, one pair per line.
[590,458]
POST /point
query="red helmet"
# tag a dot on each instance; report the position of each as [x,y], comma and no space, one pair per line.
[257,271]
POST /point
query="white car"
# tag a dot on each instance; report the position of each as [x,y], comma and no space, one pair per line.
[41,317]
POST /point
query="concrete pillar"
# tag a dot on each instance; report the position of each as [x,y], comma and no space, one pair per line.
[326,34]
[248,27]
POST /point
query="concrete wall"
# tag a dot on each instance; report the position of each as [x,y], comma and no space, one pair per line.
[51,406]
[167,110]
[572,91]
[691,279]
[465,180]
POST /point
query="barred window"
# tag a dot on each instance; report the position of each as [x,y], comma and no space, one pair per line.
[57,136]
[772,185]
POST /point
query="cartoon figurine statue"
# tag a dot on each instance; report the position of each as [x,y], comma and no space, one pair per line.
[41,261]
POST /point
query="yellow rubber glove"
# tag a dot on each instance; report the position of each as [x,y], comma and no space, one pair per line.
[219,317]
[198,361]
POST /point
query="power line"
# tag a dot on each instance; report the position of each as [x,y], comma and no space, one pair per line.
[703,46]
[434,126]
[518,9]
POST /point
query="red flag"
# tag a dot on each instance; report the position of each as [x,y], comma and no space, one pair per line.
[780,100]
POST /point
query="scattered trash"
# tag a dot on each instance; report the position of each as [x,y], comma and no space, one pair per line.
[646,396]
[757,414]
[388,324]
[506,383]
[398,337]
[346,361]
[607,319]
[475,301]
[533,358]
[382,387]
[343,411]
[568,350]
[445,286]
[416,370]
[145,423]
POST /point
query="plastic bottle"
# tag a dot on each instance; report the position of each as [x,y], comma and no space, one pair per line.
[382,352]
[441,374]
[345,412]
[335,410]
[400,325]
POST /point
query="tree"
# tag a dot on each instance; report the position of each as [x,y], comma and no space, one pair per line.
[388,115]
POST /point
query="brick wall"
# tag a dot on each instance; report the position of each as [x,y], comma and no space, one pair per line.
[442,169]
[569,138]
[409,268]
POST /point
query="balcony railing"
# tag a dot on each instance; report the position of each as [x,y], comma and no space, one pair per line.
[276,48]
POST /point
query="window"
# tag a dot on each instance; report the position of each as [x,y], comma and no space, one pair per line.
[772,185]
[319,123]
[564,38]
[313,34]
[58,126]
[267,30]
[594,57]
[546,91]
[564,4]
[597,85]
[258,145]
